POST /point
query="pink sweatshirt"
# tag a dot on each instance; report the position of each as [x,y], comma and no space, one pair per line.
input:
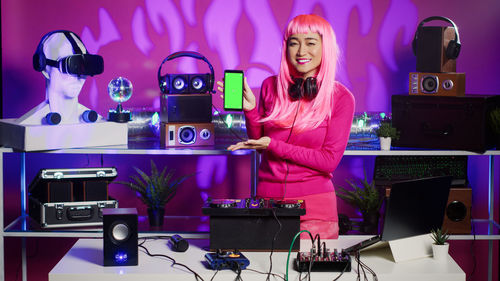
[311,155]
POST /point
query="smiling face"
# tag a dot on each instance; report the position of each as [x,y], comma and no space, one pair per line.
[304,52]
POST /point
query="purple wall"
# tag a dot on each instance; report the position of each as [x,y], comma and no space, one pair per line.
[135,36]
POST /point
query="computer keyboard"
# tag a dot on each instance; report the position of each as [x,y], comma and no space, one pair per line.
[389,169]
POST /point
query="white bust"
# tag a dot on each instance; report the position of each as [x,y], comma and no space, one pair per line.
[61,89]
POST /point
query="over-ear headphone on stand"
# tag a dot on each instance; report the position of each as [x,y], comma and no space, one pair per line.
[186,83]
[303,89]
[454,46]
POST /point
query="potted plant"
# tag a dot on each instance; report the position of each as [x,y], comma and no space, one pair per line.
[366,198]
[155,190]
[495,124]
[386,132]
[440,246]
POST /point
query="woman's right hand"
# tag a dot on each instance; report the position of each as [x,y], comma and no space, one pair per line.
[249,102]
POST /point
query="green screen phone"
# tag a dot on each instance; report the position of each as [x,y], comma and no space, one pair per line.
[233,90]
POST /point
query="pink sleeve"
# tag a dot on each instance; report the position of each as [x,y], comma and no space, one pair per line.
[328,156]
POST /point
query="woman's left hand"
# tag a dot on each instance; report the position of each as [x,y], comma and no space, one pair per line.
[259,144]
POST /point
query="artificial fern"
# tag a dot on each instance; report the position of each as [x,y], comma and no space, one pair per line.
[155,190]
[365,197]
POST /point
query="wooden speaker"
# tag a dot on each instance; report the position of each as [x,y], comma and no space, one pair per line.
[457,217]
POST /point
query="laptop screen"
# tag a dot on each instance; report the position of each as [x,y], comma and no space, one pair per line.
[415,207]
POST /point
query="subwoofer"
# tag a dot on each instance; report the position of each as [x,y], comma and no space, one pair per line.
[120,237]
[457,217]
[185,134]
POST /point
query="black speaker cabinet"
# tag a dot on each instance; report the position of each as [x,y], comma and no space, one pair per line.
[186,108]
[431,49]
[120,237]
[460,123]
[457,217]
[254,224]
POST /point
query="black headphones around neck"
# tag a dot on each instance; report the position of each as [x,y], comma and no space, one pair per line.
[454,46]
[162,80]
[303,89]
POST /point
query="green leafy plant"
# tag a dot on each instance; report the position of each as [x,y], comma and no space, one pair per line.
[156,189]
[386,130]
[439,236]
[495,121]
[363,196]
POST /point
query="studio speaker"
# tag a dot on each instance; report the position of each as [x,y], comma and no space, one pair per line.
[53,191]
[95,190]
[120,237]
[457,218]
[187,134]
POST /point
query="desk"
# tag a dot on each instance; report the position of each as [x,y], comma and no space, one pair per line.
[83,262]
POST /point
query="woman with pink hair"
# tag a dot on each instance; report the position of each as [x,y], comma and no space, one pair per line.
[302,123]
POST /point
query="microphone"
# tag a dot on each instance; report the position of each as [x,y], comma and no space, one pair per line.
[177,243]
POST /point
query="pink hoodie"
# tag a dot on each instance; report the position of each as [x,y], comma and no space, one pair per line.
[310,156]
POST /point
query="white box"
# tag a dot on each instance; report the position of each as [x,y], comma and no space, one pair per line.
[47,137]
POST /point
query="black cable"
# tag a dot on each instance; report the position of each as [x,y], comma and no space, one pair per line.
[213,276]
[238,271]
[287,139]
[260,272]
[342,272]
[174,262]
[272,244]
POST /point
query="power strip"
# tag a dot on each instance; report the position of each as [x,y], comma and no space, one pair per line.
[324,261]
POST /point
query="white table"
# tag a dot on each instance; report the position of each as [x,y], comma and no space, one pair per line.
[84,262]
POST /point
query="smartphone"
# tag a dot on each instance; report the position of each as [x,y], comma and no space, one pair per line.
[233,90]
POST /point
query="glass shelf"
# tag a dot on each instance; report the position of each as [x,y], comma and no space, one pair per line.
[195,227]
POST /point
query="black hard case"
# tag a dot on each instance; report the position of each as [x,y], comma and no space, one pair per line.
[435,122]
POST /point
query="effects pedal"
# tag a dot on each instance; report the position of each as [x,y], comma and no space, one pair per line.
[324,261]
[226,260]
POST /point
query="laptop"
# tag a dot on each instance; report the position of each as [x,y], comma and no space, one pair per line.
[413,208]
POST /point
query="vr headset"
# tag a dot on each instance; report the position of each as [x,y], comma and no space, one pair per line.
[78,64]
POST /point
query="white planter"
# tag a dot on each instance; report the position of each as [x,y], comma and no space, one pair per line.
[440,252]
[385,143]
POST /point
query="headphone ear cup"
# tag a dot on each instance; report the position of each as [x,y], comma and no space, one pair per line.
[414,45]
[453,49]
[164,84]
[39,62]
[310,88]
[295,89]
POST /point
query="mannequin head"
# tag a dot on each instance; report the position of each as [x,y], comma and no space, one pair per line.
[61,85]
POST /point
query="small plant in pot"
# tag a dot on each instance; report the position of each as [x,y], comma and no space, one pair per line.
[440,246]
[155,190]
[366,198]
[386,133]
[494,123]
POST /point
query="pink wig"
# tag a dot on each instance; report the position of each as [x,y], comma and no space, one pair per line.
[311,113]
